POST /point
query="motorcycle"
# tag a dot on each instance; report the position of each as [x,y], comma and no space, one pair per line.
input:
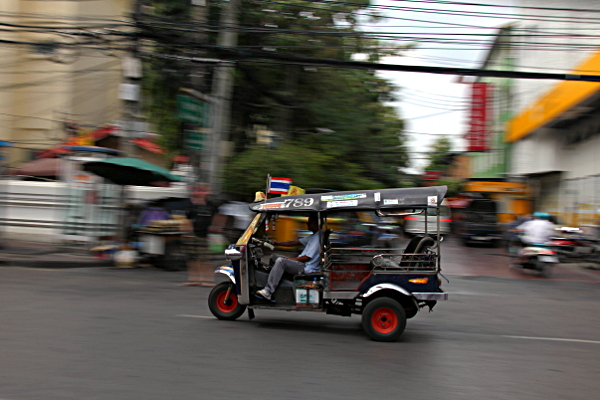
[572,245]
[539,258]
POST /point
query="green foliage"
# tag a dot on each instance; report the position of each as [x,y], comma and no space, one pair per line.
[247,172]
[455,186]
[163,78]
[438,159]
[336,128]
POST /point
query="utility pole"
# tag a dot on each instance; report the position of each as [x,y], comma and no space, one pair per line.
[199,84]
[222,91]
[129,91]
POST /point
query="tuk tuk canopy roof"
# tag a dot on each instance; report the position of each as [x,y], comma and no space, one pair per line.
[381,199]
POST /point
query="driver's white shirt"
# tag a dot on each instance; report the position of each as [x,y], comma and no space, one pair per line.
[312,249]
[537,231]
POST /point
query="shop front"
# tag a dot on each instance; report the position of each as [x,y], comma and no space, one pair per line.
[513,198]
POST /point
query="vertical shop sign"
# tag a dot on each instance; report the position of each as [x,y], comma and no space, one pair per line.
[477,136]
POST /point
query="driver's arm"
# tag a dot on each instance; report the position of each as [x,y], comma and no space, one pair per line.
[301,259]
[289,243]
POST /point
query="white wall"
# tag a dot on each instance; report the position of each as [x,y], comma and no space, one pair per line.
[48,211]
[537,153]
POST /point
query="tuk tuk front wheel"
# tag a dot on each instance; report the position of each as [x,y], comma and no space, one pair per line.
[384,319]
[223,302]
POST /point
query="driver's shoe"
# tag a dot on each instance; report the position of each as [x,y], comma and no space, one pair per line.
[263,293]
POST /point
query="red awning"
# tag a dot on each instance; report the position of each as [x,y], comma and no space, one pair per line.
[104,132]
[52,152]
[148,145]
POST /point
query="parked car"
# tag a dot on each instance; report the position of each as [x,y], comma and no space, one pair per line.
[415,224]
[478,223]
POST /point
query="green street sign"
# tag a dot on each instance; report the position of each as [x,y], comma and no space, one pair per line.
[192,110]
[194,140]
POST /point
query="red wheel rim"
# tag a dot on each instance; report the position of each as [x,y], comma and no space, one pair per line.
[384,320]
[229,305]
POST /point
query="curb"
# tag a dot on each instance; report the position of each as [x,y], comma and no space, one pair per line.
[32,263]
[67,261]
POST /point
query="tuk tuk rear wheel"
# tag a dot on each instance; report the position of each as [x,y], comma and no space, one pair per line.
[223,302]
[384,319]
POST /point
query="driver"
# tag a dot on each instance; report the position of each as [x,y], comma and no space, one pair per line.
[308,261]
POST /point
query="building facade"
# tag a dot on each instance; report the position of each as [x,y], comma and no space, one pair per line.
[61,61]
[490,160]
[555,131]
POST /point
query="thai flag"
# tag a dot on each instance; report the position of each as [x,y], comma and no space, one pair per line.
[279,185]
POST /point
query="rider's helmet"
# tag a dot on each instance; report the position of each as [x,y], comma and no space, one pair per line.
[542,215]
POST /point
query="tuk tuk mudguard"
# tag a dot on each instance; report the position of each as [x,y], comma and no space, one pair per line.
[402,295]
[226,270]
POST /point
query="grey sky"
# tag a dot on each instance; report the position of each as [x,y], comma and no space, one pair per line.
[434,105]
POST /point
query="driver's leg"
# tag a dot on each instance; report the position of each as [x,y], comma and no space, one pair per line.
[281,265]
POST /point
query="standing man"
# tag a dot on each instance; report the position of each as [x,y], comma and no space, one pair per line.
[200,215]
[308,261]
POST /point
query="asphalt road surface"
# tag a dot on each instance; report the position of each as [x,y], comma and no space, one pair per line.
[104,333]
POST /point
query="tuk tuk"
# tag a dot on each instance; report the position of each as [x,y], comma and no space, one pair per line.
[386,286]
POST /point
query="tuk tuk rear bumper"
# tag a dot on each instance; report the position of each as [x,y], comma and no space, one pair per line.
[438,296]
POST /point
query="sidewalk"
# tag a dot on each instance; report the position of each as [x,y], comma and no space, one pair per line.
[44,255]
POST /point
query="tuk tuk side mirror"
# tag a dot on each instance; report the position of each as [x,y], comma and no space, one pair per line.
[233,254]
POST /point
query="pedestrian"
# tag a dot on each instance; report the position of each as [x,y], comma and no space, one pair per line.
[199,219]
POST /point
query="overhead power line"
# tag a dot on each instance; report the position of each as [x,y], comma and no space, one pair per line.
[247,55]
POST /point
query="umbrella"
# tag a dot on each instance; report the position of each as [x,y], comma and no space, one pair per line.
[40,167]
[130,171]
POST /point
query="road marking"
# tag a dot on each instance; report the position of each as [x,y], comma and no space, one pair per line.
[194,316]
[553,339]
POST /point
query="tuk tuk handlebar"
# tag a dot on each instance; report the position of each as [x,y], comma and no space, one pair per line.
[264,243]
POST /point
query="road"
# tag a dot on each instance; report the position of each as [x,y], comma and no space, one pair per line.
[104,333]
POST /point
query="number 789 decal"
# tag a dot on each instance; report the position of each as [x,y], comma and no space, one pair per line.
[297,203]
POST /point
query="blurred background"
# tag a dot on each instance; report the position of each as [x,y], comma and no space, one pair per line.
[227,92]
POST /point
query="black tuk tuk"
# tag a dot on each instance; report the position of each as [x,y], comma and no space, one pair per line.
[384,285]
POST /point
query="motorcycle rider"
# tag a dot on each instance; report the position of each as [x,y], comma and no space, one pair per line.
[535,231]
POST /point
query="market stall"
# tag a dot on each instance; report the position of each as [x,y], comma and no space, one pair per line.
[160,238]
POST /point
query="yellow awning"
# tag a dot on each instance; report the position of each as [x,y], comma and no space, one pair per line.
[561,98]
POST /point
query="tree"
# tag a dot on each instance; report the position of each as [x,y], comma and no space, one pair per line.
[439,157]
[336,128]
[163,77]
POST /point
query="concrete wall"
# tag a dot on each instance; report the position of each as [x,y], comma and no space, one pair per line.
[55,212]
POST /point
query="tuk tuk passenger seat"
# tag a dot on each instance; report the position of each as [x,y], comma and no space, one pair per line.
[417,245]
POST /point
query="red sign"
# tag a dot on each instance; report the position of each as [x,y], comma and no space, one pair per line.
[433,175]
[478,132]
[430,177]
